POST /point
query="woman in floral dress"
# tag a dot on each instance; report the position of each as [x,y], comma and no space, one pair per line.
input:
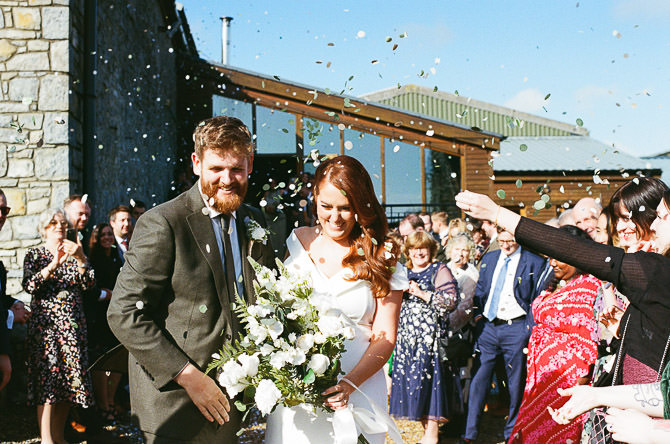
[420,387]
[560,352]
[56,275]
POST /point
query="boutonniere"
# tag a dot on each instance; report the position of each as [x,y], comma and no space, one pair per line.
[255,232]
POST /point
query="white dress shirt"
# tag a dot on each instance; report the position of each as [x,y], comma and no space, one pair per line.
[508,307]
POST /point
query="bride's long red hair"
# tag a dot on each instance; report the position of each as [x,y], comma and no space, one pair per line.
[370,233]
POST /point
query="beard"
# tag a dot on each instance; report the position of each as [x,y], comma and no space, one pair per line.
[228,204]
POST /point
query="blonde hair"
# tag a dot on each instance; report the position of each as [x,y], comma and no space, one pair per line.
[419,239]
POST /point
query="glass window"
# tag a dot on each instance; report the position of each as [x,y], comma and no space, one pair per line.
[403,172]
[275,131]
[365,147]
[225,106]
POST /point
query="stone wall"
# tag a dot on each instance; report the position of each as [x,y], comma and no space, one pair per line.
[35,156]
[42,106]
[136,110]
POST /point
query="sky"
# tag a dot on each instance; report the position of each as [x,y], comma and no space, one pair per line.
[606,62]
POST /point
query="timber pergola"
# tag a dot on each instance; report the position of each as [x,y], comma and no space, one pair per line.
[304,101]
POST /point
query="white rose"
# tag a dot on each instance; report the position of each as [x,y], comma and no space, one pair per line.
[274,327]
[249,364]
[267,395]
[319,338]
[259,311]
[230,377]
[257,332]
[291,337]
[266,349]
[296,356]
[258,234]
[319,363]
[305,342]
[278,359]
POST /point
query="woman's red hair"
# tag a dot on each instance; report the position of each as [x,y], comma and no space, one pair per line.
[370,233]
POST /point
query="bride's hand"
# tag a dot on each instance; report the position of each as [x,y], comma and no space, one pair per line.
[337,396]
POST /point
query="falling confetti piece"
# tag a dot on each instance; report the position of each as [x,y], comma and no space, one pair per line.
[636,181]
[360,252]
[518,183]
[205,211]
[523,147]
[203,309]
[525,351]
[501,194]
[360,34]
[348,144]
[263,203]
[430,133]
[396,148]
[539,205]
[84,198]
[207,248]
[607,259]
[139,305]
[344,193]
[561,189]
[642,208]
[580,122]
[616,34]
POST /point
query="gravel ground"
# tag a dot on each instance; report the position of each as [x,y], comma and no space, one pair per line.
[18,425]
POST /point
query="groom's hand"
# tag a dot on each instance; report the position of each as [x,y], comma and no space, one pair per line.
[205,394]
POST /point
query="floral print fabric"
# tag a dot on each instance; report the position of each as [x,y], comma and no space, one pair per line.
[560,351]
[420,385]
[56,339]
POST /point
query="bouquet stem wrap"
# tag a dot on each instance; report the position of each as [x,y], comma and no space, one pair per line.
[372,422]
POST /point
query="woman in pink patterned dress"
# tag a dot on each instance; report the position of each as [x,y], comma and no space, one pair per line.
[560,351]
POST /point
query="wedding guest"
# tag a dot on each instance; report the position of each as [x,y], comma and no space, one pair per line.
[630,409]
[428,224]
[642,276]
[78,213]
[420,383]
[460,249]
[440,221]
[456,226]
[491,232]
[107,265]
[120,221]
[55,275]
[5,345]
[505,290]
[413,223]
[565,218]
[137,209]
[560,351]
[585,213]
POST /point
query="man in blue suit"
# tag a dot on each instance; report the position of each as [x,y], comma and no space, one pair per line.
[507,285]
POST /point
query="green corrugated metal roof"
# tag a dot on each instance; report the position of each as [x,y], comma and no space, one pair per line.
[472,113]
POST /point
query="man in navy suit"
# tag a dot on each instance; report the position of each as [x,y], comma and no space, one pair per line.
[506,288]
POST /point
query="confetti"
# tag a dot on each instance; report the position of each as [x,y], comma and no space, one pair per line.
[607,259]
[203,309]
[525,351]
[518,183]
[579,122]
[139,305]
[360,252]
[430,133]
[360,34]
[348,144]
[396,148]
[523,147]
[501,194]
[207,248]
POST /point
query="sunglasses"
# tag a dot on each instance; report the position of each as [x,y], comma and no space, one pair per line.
[5,210]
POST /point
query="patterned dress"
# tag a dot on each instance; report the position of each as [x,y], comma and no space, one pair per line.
[420,388]
[56,339]
[560,351]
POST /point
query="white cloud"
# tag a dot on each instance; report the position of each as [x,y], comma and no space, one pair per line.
[590,95]
[528,100]
[636,9]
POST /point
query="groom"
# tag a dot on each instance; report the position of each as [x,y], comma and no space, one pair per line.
[172,304]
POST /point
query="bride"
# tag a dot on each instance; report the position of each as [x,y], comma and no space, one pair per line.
[350,259]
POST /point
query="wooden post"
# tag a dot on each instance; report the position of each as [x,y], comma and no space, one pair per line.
[382,155]
[341,142]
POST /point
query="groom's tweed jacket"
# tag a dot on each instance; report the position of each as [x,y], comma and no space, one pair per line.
[170,306]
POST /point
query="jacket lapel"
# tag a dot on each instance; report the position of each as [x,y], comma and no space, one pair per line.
[520,272]
[200,225]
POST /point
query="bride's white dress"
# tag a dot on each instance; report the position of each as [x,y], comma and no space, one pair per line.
[301,424]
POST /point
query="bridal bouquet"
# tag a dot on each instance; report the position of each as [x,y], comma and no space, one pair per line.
[291,347]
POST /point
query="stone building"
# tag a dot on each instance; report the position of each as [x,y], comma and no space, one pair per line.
[88,106]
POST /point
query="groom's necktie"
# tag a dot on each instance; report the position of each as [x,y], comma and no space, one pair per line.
[228,257]
[497,290]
